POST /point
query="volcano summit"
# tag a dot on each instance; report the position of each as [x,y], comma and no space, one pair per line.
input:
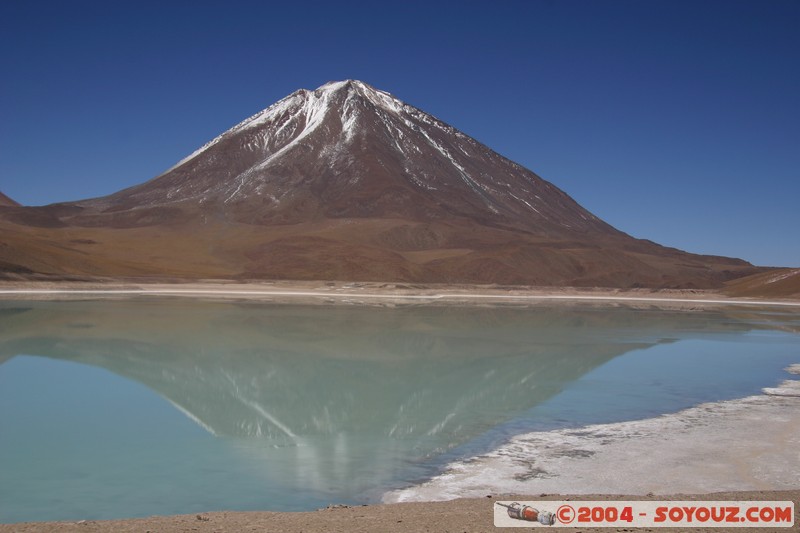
[346,182]
[348,150]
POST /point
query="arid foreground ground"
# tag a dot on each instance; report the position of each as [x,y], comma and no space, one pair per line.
[465,515]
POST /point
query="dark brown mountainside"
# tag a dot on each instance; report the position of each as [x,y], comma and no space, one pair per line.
[346,182]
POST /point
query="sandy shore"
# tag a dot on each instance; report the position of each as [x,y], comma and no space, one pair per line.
[463,515]
[750,445]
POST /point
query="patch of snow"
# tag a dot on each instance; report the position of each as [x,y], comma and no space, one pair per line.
[239,188]
[332,86]
[350,115]
[380,99]
[288,104]
[313,110]
[524,202]
[256,120]
[785,275]
[475,186]
[173,192]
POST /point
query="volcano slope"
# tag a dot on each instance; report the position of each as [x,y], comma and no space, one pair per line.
[345,182]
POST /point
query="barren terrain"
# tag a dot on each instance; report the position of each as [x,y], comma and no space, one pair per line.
[463,515]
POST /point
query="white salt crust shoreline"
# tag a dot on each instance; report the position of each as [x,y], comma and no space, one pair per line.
[371,295]
[747,444]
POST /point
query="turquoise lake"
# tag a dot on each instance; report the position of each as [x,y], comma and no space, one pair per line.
[152,406]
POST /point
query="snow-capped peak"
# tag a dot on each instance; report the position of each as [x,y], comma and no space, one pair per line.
[379,98]
[335,123]
[334,85]
[314,104]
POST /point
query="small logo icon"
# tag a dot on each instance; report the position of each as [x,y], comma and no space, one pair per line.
[518,511]
[565,514]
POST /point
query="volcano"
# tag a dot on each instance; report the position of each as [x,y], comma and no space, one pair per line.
[346,182]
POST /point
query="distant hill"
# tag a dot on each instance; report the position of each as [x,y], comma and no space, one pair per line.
[5,201]
[348,182]
[783,282]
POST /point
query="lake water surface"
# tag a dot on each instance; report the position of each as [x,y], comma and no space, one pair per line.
[124,408]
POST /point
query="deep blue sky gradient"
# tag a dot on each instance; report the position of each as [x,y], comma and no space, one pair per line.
[676,121]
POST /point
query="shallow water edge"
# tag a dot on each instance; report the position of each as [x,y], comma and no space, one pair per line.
[751,443]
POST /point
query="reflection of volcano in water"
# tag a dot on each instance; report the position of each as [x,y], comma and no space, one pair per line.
[341,396]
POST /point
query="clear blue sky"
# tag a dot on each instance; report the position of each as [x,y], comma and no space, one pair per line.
[676,121]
